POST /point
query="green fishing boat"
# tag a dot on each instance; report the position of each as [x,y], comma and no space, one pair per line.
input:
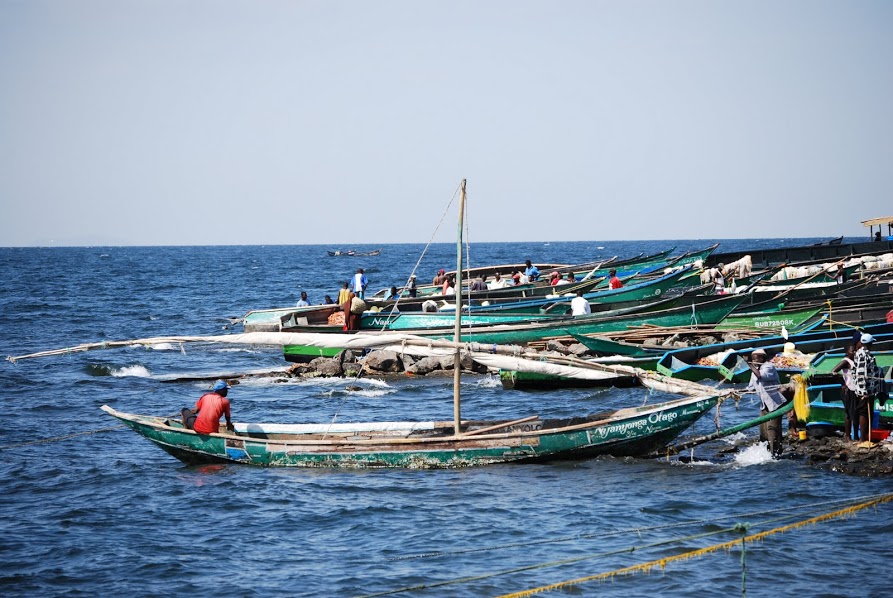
[705,313]
[827,414]
[521,333]
[633,431]
[771,323]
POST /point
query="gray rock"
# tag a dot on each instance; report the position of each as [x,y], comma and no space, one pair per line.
[557,347]
[425,365]
[578,349]
[326,367]
[383,361]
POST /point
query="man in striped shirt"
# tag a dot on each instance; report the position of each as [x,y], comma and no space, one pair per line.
[867,378]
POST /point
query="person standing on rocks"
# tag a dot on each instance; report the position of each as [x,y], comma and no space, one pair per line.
[867,377]
[764,381]
[848,393]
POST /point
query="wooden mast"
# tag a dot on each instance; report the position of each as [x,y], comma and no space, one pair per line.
[457,363]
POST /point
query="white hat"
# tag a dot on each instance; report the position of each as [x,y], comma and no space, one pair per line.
[866,338]
[758,352]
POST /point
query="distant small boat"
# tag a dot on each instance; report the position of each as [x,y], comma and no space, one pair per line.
[352,253]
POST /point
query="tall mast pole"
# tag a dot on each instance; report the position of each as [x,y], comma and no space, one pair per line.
[457,364]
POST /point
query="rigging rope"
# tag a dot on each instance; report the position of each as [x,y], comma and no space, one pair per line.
[394,312]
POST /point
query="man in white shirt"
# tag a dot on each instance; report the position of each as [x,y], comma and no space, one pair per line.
[497,283]
[579,305]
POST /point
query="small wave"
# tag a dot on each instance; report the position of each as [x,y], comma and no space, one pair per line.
[600,247]
[754,455]
[136,371]
[371,393]
[166,347]
[153,318]
[489,381]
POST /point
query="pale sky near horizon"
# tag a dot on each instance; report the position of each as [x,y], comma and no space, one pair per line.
[346,122]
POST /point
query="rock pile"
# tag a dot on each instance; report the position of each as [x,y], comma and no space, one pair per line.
[380,362]
[845,456]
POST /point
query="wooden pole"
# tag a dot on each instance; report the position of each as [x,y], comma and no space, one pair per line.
[457,335]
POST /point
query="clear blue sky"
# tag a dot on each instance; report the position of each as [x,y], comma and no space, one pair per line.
[215,122]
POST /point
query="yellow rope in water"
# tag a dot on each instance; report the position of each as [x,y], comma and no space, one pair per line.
[662,563]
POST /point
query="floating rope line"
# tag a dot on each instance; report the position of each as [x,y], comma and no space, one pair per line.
[631,549]
[662,563]
[59,438]
[70,436]
[637,530]
[876,499]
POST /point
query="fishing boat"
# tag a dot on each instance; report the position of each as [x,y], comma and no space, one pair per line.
[629,431]
[634,431]
[826,411]
[352,253]
[520,333]
[724,361]
[802,253]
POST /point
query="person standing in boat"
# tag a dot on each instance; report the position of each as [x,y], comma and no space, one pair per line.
[765,383]
[360,282]
[848,393]
[867,378]
[719,281]
[412,288]
[210,406]
[613,281]
[353,312]
[532,273]
[343,294]
[439,278]
[579,305]
[303,301]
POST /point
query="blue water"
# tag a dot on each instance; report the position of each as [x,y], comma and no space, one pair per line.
[108,513]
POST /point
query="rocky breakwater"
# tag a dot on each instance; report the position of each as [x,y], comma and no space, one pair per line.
[844,456]
[379,363]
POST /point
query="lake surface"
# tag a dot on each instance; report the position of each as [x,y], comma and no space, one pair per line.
[108,513]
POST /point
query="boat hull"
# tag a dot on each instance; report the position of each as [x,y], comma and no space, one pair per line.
[627,432]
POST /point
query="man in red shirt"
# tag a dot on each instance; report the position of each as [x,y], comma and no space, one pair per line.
[614,282]
[210,407]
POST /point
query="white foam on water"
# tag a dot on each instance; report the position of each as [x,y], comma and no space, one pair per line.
[136,371]
[754,455]
[165,347]
[489,381]
[372,393]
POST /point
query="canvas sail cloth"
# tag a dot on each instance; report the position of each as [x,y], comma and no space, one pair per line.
[493,356]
